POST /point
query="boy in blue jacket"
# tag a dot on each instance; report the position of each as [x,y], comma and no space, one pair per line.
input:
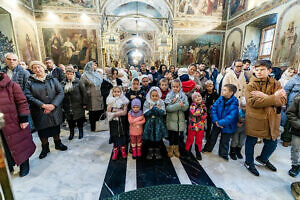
[224,113]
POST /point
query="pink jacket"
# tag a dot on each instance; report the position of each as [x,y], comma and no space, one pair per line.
[136,125]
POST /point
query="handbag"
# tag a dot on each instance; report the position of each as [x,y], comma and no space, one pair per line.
[102,125]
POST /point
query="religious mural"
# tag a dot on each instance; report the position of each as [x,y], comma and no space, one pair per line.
[200,8]
[26,40]
[287,49]
[237,6]
[75,46]
[233,46]
[65,3]
[199,49]
[251,52]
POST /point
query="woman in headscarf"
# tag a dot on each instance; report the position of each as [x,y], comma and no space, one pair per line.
[45,95]
[132,75]
[93,82]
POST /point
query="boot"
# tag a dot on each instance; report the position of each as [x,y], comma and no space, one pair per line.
[139,151]
[24,168]
[80,133]
[157,153]
[60,146]
[150,154]
[115,153]
[170,151]
[198,153]
[71,134]
[232,153]
[251,169]
[176,151]
[134,152]
[294,171]
[123,151]
[295,188]
[187,154]
[45,150]
[286,144]
[238,152]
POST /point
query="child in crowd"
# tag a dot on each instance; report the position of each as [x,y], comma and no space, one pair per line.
[154,129]
[134,92]
[136,120]
[239,137]
[294,119]
[224,114]
[196,126]
[164,87]
[145,85]
[150,78]
[177,103]
[210,96]
[116,108]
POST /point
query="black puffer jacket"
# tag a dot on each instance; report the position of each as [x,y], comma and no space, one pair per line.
[293,115]
[38,93]
[74,100]
[20,75]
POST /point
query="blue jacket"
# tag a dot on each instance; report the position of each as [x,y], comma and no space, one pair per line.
[292,88]
[226,114]
[20,75]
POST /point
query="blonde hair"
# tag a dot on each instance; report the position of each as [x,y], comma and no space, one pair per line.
[116,87]
[209,82]
[37,62]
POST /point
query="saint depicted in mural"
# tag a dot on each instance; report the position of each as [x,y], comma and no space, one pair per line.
[200,7]
[237,6]
[29,51]
[287,42]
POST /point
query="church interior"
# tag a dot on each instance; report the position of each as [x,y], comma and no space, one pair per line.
[122,33]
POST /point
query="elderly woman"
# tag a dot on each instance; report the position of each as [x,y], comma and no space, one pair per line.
[74,102]
[16,136]
[93,82]
[45,96]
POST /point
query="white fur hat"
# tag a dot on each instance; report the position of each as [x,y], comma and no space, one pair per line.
[182,71]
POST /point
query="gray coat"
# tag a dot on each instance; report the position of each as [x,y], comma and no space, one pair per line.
[94,96]
[292,88]
[20,75]
[38,93]
[74,101]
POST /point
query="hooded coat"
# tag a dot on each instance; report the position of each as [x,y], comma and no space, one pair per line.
[263,113]
[14,106]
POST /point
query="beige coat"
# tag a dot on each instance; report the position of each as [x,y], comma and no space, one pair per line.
[263,113]
[240,83]
[94,96]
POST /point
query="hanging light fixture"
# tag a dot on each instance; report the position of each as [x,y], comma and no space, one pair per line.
[137,41]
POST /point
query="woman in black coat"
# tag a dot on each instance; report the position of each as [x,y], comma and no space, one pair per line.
[74,102]
[45,95]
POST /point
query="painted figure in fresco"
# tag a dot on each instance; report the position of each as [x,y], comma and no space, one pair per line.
[233,53]
[56,50]
[184,55]
[214,57]
[179,55]
[237,5]
[287,41]
[69,49]
[182,5]
[29,51]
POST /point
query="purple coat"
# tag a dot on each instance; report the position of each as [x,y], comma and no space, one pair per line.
[14,106]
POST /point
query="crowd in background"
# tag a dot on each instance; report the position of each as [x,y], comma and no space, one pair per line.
[244,103]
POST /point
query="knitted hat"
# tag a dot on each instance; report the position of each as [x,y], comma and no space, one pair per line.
[184,77]
[182,71]
[136,102]
[194,95]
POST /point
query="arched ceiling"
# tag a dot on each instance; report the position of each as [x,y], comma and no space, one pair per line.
[156,8]
[129,46]
[133,25]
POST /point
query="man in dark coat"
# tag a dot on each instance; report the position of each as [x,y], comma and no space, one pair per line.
[14,71]
[54,70]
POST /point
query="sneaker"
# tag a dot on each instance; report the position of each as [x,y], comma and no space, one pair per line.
[267,164]
[294,171]
[251,169]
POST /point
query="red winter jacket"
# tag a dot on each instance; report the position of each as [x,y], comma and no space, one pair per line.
[188,86]
[14,106]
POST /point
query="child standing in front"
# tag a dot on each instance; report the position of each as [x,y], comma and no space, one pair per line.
[117,109]
[176,104]
[224,114]
[164,88]
[155,129]
[197,117]
[136,120]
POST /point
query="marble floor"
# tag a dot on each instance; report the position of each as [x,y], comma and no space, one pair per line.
[85,172]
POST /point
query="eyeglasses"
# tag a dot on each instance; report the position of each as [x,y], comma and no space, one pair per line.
[11,59]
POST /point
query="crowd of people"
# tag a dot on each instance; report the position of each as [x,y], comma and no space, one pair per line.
[245,104]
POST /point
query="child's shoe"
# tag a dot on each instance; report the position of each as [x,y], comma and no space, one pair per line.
[123,152]
[170,151]
[198,152]
[115,153]
[134,153]
[176,151]
[139,151]
[294,171]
